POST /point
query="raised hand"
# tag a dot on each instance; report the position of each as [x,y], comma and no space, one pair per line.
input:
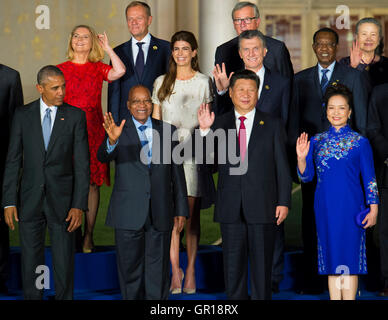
[103,41]
[221,79]
[302,146]
[205,117]
[355,54]
[113,131]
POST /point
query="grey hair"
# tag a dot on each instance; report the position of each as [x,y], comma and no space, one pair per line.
[380,48]
[243,4]
[250,34]
[48,71]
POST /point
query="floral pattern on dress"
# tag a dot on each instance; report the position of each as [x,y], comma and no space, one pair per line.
[334,144]
[83,90]
[373,193]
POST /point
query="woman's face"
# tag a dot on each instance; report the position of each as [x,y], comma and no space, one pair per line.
[368,37]
[182,53]
[338,111]
[81,41]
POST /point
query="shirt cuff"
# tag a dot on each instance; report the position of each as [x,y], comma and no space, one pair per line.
[109,147]
[221,93]
[203,132]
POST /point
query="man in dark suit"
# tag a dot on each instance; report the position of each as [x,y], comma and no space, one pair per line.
[145,58]
[49,146]
[148,195]
[11,97]
[274,98]
[254,193]
[378,136]
[246,16]
[308,114]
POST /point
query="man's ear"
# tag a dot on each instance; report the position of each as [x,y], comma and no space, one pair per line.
[128,104]
[39,88]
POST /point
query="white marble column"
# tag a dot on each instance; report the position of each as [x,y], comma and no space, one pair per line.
[215,28]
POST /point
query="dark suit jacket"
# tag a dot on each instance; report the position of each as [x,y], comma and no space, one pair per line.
[156,64]
[11,97]
[378,131]
[277,59]
[307,113]
[60,174]
[274,98]
[136,184]
[267,182]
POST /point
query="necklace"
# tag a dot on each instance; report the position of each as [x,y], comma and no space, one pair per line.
[368,64]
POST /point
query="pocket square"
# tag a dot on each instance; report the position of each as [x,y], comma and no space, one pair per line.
[361,216]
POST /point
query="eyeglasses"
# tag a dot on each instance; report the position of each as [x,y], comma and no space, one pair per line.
[140,102]
[245,20]
[322,45]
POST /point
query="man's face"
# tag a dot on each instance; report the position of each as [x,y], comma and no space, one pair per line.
[244,95]
[140,104]
[325,48]
[52,90]
[247,24]
[252,52]
[138,22]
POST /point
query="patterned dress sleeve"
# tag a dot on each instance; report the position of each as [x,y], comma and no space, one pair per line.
[157,84]
[309,172]
[209,92]
[368,173]
[104,69]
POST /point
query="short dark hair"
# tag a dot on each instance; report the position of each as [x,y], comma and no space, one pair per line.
[250,34]
[338,89]
[48,71]
[244,74]
[137,86]
[138,3]
[326,30]
[243,4]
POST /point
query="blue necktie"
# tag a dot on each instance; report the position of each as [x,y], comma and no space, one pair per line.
[140,60]
[145,144]
[324,81]
[46,127]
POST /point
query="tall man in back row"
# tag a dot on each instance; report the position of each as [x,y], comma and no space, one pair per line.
[145,58]
[49,152]
[246,16]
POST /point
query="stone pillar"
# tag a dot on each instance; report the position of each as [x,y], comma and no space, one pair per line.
[215,28]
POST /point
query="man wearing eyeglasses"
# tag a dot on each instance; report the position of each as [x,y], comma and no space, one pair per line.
[148,195]
[308,114]
[246,16]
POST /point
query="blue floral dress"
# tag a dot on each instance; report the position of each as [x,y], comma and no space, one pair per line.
[346,183]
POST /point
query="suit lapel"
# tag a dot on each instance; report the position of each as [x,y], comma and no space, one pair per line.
[151,57]
[36,124]
[129,58]
[257,125]
[59,122]
[265,89]
[317,83]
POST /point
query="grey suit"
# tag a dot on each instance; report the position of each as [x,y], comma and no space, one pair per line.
[143,204]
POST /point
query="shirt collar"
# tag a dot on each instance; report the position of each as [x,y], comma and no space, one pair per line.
[44,106]
[250,115]
[146,39]
[330,68]
[148,123]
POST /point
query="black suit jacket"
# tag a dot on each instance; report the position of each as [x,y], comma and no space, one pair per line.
[11,97]
[156,64]
[307,112]
[277,60]
[267,181]
[274,97]
[136,185]
[60,174]
[378,131]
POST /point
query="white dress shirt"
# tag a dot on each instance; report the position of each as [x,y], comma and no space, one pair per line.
[145,47]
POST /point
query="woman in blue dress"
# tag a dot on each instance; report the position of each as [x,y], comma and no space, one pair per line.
[346,186]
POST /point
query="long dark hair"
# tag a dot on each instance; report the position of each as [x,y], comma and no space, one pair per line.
[169,79]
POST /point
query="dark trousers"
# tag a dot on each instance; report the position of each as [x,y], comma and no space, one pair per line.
[4,250]
[278,255]
[32,243]
[311,279]
[383,234]
[143,263]
[240,241]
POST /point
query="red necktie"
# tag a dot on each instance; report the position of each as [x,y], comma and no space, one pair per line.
[242,138]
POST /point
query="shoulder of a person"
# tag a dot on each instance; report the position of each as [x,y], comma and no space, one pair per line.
[73,110]
[8,70]
[304,73]
[228,44]
[273,42]
[159,79]
[202,76]
[161,42]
